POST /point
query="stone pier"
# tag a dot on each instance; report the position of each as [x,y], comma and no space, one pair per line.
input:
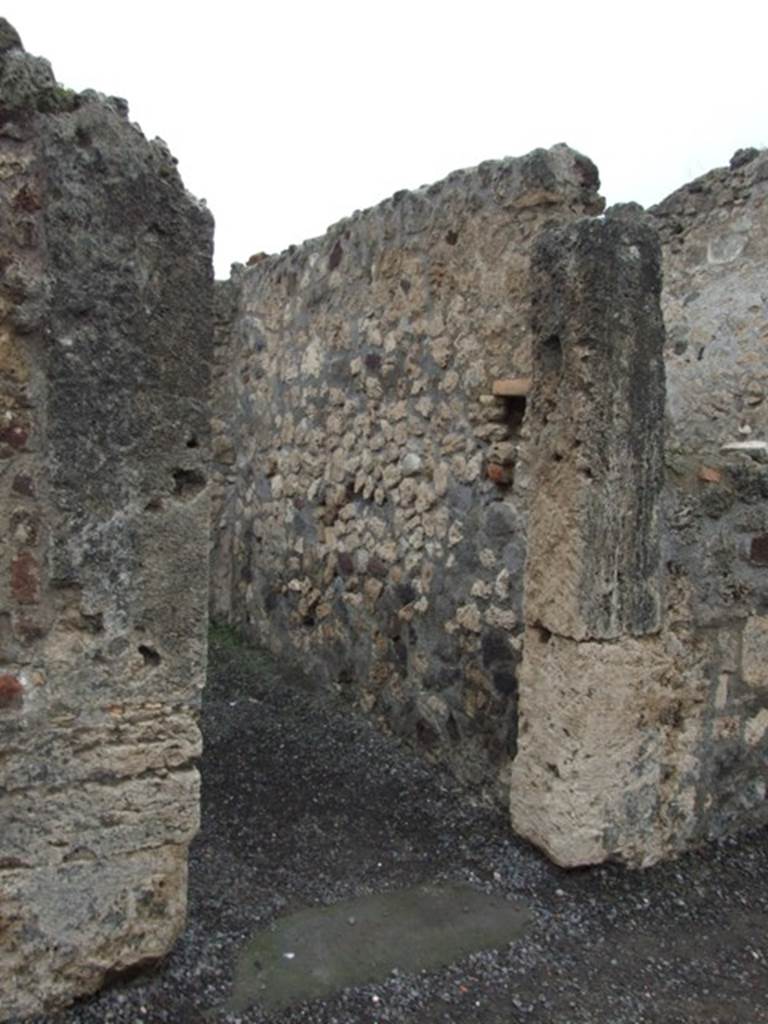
[592,661]
[105,328]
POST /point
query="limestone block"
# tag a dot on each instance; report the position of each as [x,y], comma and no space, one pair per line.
[603,752]
[113,907]
[596,416]
[755,652]
[105,537]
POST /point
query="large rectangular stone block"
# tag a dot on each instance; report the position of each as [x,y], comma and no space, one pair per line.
[596,423]
[105,334]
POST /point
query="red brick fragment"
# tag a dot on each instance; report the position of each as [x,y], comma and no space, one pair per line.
[27,200]
[14,434]
[23,484]
[25,578]
[709,475]
[498,474]
[11,691]
[759,549]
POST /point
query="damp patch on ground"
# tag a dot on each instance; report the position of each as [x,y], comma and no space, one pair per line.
[318,951]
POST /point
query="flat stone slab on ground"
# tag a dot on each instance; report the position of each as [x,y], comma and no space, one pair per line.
[318,951]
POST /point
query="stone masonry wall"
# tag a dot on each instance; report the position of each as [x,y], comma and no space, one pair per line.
[373,495]
[639,742]
[373,527]
[105,328]
[586,767]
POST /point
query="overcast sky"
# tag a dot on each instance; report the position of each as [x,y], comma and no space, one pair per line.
[287,115]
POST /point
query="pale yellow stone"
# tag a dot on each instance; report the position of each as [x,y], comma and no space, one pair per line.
[440,478]
[441,351]
[721,695]
[598,724]
[455,534]
[502,618]
[756,728]
[468,617]
[312,359]
[488,558]
[372,589]
[755,651]
[450,382]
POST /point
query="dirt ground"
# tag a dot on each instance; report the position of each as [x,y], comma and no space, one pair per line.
[304,803]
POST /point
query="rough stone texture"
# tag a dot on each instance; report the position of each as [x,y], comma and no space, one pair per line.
[585,778]
[714,233]
[223,402]
[601,748]
[596,413]
[372,493]
[104,365]
[372,524]
[634,750]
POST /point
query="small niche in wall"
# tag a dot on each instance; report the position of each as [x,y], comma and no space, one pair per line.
[513,391]
[511,394]
[150,655]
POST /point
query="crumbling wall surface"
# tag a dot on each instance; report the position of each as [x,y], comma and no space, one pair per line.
[104,365]
[644,686]
[223,428]
[376,519]
[714,235]
[585,784]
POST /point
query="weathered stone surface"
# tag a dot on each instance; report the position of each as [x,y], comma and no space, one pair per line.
[581,786]
[356,394]
[132,914]
[596,736]
[104,364]
[714,233]
[373,493]
[596,413]
[755,652]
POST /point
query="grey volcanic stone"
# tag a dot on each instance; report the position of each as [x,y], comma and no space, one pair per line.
[9,37]
[597,412]
[105,332]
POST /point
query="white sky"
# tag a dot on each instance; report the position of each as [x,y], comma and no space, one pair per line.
[287,115]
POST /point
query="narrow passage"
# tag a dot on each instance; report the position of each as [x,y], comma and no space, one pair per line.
[307,806]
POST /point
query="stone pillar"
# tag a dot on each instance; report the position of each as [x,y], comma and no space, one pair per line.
[105,332]
[592,601]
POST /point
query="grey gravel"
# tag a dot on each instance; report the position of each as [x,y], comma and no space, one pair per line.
[305,803]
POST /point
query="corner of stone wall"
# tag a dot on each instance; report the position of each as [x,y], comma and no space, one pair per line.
[644,689]
[583,784]
[104,370]
[372,524]
[714,234]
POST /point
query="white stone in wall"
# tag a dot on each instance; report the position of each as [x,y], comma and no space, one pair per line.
[755,652]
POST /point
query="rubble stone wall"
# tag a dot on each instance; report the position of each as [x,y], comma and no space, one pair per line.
[639,742]
[373,494]
[105,329]
[714,234]
[373,523]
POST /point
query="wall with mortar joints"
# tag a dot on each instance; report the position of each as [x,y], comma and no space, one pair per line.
[675,751]
[376,518]
[105,300]
[714,234]
[306,518]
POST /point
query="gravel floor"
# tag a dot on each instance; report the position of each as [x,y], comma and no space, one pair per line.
[305,803]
